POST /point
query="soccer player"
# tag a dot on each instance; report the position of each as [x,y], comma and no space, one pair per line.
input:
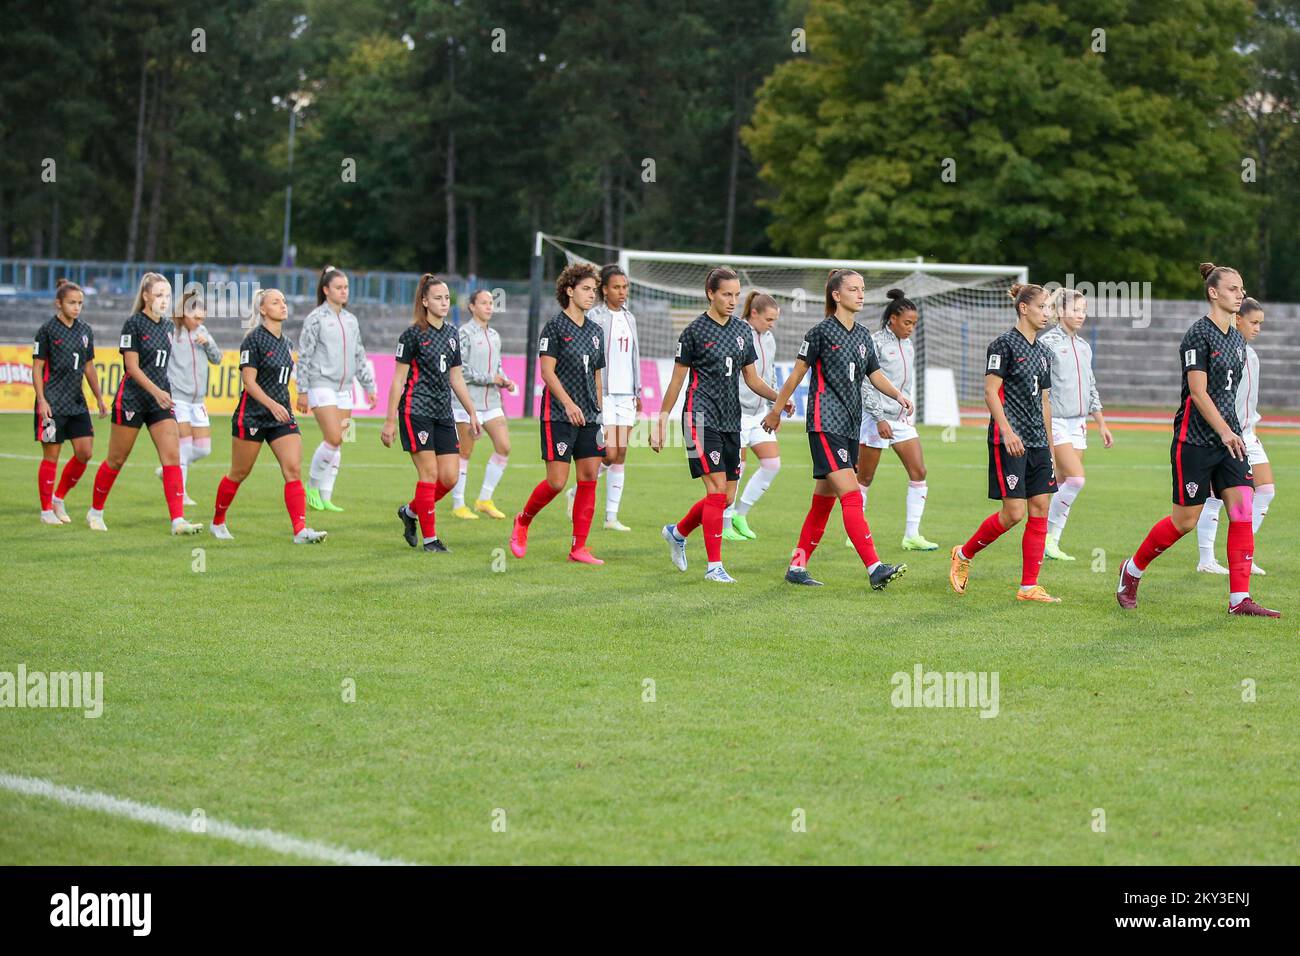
[427,371]
[144,399]
[621,380]
[63,353]
[330,356]
[262,415]
[716,349]
[760,313]
[1017,390]
[192,350]
[840,353]
[572,350]
[1207,450]
[1074,398]
[884,422]
[480,365]
[1250,318]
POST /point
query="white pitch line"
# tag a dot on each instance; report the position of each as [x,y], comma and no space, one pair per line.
[181,823]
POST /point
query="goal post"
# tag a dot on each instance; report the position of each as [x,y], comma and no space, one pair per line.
[961,306]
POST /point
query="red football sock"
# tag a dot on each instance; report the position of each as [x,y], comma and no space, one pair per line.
[295,502]
[72,473]
[539,499]
[584,506]
[226,492]
[1031,550]
[174,490]
[855,523]
[714,505]
[426,496]
[440,490]
[45,473]
[1161,537]
[814,523]
[692,520]
[1241,552]
[104,479]
[989,531]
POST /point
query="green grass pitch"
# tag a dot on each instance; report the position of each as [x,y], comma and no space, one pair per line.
[487,684]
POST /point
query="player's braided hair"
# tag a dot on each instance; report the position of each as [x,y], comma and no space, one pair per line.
[898,304]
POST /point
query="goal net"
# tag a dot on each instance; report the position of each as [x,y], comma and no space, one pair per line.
[961,307]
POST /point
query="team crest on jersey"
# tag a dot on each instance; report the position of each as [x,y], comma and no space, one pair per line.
[595,340]
[252,431]
[1012,481]
[740,343]
[1191,487]
[715,456]
[130,415]
[561,446]
[85,341]
[862,350]
[424,438]
[843,453]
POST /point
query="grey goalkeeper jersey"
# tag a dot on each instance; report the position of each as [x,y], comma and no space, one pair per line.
[897,359]
[1248,393]
[751,403]
[187,364]
[480,363]
[1074,387]
[330,352]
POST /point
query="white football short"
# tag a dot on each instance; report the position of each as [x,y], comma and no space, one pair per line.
[196,416]
[618,410]
[1254,449]
[324,395]
[870,434]
[1070,431]
[484,417]
[752,432]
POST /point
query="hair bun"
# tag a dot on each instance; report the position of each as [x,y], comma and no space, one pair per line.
[1015,289]
[896,294]
[1206,269]
[61,283]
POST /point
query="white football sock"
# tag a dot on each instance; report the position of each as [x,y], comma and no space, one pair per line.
[1207,527]
[458,492]
[916,492]
[1263,495]
[1059,511]
[496,467]
[331,473]
[864,488]
[758,483]
[613,491]
[321,459]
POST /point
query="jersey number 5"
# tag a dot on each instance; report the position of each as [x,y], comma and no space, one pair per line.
[1228,387]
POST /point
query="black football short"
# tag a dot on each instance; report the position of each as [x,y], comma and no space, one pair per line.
[133,409]
[66,428]
[710,451]
[832,452]
[1202,470]
[429,434]
[1028,476]
[257,431]
[564,441]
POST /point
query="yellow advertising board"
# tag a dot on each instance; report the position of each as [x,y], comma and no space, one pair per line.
[16,393]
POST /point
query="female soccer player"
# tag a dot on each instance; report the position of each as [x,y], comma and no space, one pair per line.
[480,357]
[716,349]
[330,356]
[1017,390]
[1250,318]
[192,350]
[427,371]
[62,355]
[144,399]
[262,415]
[1207,449]
[621,380]
[760,312]
[1074,398]
[884,422]
[572,353]
[840,353]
